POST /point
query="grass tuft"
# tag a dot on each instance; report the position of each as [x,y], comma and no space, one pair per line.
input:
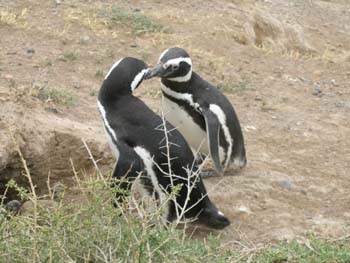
[57,95]
[13,19]
[138,22]
[99,73]
[68,56]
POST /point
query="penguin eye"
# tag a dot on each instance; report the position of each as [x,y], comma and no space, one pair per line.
[175,67]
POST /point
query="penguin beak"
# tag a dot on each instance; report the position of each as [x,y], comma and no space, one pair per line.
[156,71]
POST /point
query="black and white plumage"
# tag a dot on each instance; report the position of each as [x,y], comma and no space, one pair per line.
[137,139]
[203,114]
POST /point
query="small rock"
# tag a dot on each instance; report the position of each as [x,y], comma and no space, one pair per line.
[51,109]
[13,206]
[286,184]
[303,191]
[62,58]
[244,210]
[8,77]
[76,85]
[30,51]
[334,83]
[42,205]
[249,128]
[257,98]
[133,45]
[58,2]
[340,104]
[84,40]
[316,92]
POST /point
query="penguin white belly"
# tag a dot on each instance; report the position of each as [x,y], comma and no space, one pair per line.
[192,132]
[112,146]
[194,135]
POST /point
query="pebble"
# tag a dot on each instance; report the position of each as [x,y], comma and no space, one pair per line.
[30,51]
[76,85]
[316,92]
[286,184]
[303,191]
[335,84]
[84,40]
[13,206]
[51,109]
[8,77]
[28,207]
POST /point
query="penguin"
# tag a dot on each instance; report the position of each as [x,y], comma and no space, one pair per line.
[144,143]
[204,116]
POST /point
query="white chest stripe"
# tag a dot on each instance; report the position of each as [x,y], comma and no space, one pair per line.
[180,96]
[105,121]
[114,65]
[185,78]
[163,53]
[138,78]
[148,162]
[177,61]
[222,119]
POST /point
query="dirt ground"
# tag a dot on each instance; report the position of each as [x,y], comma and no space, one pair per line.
[285,66]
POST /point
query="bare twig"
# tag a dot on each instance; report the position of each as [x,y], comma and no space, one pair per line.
[34,197]
[94,162]
[48,183]
[77,178]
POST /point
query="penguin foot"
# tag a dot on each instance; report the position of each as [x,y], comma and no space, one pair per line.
[200,158]
[208,173]
[240,162]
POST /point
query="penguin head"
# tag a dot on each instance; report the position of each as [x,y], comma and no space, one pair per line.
[213,217]
[174,64]
[124,77]
[203,209]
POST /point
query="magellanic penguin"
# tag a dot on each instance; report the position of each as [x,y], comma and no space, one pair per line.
[137,138]
[203,114]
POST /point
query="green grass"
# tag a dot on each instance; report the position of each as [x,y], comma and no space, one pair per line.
[68,56]
[265,106]
[57,95]
[14,19]
[139,23]
[317,251]
[92,230]
[95,231]
[99,73]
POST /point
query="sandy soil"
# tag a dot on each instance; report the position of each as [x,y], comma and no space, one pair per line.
[285,65]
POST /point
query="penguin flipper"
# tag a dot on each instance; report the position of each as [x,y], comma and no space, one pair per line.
[213,131]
